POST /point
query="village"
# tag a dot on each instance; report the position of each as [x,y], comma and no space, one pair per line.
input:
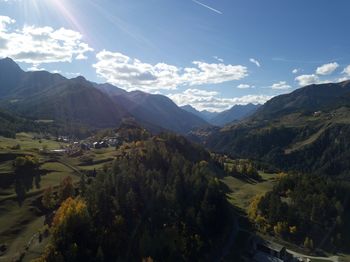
[72,146]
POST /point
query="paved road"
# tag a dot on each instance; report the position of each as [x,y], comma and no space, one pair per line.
[299,255]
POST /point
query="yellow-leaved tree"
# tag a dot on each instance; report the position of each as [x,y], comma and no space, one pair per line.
[255,216]
[70,232]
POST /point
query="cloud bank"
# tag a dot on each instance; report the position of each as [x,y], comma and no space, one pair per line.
[131,73]
[210,100]
[39,45]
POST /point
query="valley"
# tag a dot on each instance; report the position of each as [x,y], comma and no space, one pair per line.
[21,235]
[175,131]
[89,172]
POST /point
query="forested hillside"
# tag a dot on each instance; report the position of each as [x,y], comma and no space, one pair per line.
[311,137]
[162,199]
[12,124]
[311,211]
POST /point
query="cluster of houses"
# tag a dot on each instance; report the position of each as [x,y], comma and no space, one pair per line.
[91,143]
[64,139]
[103,143]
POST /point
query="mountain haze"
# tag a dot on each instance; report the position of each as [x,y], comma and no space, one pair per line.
[235,113]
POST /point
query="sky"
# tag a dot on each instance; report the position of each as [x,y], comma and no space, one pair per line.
[211,54]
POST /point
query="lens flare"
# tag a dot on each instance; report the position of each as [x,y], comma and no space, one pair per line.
[40,11]
[64,8]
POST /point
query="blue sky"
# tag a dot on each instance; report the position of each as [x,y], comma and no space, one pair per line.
[210,54]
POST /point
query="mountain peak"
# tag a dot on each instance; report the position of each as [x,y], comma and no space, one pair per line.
[189,108]
[8,63]
[79,79]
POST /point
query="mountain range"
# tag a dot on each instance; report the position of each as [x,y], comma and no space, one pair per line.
[154,110]
[307,130]
[41,95]
[235,113]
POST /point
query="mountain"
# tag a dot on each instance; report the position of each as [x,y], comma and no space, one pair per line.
[15,83]
[157,111]
[72,101]
[42,95]
[323,97]
[235,113]
[307,130]
[110,90]
[205,114]
[10,75]
[80,103]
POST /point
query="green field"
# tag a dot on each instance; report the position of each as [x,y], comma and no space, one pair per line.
[242,191]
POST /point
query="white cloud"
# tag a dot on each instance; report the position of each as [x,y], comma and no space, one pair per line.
[218,58]
[35,68]
[327,69]
[347,70]
[342,79]
[281,85]
[210,100]
[254,61]
[305,80]
[39,45]
[205,73]
[4,21]
[295,71]
[243,86]
[130,73]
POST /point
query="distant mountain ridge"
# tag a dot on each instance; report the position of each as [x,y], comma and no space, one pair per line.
[204,114]
[235,113]
[157,110]
[307,100]
[43,95]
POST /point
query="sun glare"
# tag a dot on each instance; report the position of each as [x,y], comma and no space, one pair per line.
[38,10]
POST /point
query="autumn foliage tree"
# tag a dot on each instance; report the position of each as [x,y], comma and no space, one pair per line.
[300,208]
[71,239]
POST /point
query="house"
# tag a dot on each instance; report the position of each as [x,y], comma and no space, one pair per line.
[63,139]
[317,113]
[264,250]
[101,144]
[85,146]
